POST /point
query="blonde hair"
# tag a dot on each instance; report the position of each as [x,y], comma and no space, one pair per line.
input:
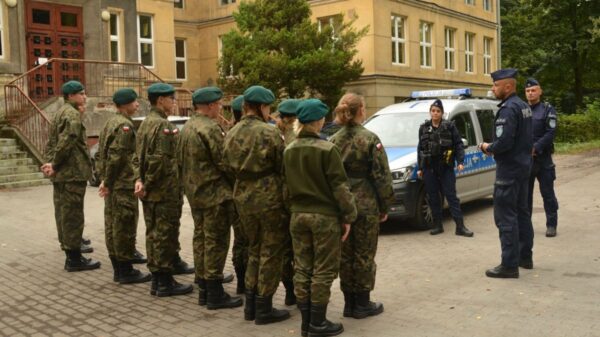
[309,127]
[348,108]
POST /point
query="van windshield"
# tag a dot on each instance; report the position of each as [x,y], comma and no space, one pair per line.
[400,129]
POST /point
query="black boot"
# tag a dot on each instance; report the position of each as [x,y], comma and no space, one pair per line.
[250,307]
[438,227]
[305,312]
[76,262]
[138,258]
[501,271]
[201,291]
[115,265]
[129,275]
[364,307]
[85,249]
[290,297]
[461,229]
[167,286]
[265,313]
[349,303]
[240,273]
[217,297]
[319,325]
[154,284]
[86,241]
[227,278]
[181,267]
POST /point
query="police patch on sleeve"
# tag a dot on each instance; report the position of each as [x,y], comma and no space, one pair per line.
[552,123]
[499,130]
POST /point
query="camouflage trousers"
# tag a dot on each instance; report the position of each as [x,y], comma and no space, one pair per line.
[266,232]
[162,234]
[68,213]
[357,271]
[211,239]
[120,224]
[316,239]
[239,252]
[287,273]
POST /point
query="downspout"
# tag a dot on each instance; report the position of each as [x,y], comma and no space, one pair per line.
[499,25]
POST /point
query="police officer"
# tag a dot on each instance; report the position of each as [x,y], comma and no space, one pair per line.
[208,191]
[367,168]
[68,165]
[321,204]
[330,128]
[439,146]
[254,155]
[511,149]
[115,165]
[159,188]
[543,169]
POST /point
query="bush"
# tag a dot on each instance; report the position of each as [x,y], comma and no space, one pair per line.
[580,127]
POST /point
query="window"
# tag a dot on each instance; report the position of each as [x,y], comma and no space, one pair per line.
[227,2]
[333,21]
[470,2]
[1,33]
[425,44]
[146,42]
[464,124]
[469,53]
[178,4]
[487,55]
[487,5]
[114,37]
[398,40]
[449,49]
[486,122]
[180,65]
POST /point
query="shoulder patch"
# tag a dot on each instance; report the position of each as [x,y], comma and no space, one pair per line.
[126,128]
[166,131]
[175,131]
[526,113]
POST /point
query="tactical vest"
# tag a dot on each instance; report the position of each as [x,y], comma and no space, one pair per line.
[436,143]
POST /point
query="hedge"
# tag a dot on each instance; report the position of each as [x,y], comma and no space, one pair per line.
[580,127]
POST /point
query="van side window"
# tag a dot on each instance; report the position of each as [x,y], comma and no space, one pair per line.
[464,124]
[486,121]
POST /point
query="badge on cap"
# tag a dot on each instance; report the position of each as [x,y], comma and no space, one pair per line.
[166,131]
[125,129]
[499,130]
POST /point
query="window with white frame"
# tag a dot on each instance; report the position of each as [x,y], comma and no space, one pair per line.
[470,2]
[1,33]
[449,49]
[180,62]
[487,5]
[333,21]
[178,4]
[487,55]
[227,2]
[145,40]
[425,44]
[398,40]
[114,38]
[469,52]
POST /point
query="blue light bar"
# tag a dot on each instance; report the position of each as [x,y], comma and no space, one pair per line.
[441,93]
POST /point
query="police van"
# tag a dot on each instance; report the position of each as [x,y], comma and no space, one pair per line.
[398,128]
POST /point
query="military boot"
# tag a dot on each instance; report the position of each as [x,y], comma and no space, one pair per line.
[349,303]
[461,229]
[154,284]
[217,297]
[85,241]
[240,273]
[290,297]
[138,258]
[115,265]
[250,307]
[130,275]
[319,325]
[227,278]
[438,227]
[167,286]
[181,267]
[364,307]
[76,262]
[265,313]
[85,249]
[201,291]
[305,313]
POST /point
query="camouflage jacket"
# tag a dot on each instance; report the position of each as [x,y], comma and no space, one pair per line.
[116,153]
[367,167]
[156,143]
[253,154]
[200,155]
[67,146]
[316,180]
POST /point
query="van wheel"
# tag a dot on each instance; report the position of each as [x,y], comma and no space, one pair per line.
[423,219]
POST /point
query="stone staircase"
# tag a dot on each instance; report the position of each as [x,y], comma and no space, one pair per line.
[17,168]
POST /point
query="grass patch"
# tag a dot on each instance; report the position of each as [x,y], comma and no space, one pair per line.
[573,148]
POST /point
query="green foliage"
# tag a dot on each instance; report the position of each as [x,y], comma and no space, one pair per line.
[580,127]
[572,148]
[277,46]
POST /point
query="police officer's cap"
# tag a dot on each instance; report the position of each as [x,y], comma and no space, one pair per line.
[236,104]
[72,87]
[288,107]
[531,82]
[161,89]
[207,95]
[258,94]
[501,74]
[124,96]
[311,110]
[438,104]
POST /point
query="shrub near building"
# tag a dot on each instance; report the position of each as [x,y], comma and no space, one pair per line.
[580,127]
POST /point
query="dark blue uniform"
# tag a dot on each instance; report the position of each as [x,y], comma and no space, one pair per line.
[512,151]
[544,127]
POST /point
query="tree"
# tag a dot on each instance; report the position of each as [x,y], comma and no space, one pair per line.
[277,46]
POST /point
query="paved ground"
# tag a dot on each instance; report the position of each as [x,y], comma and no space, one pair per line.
[431,286]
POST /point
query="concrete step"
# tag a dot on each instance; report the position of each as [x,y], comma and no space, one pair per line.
[25,183]
[20,177]
[8,148]
[13,155]
[16,162]
[7,141]
[10,170]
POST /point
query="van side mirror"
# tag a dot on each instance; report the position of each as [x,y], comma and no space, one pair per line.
[465,142]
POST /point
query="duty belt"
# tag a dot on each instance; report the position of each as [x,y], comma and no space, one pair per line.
[245,175]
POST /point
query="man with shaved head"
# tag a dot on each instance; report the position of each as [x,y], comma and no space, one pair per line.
[511,148]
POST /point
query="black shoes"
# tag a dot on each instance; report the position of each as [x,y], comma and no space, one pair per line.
[265,313]
[461,229]
[85,241]
[217,298]
[349,303]
[551,232]
[181,267]
[129,275]
[438,227]
[502,272]
[240,273]
[319,325]
[250,307]
[290,297]
[202,293]
[526,263]
[227,278]
[163,285]
[305,313]
[85,249]
[115,265]
[138,258]
[76,262]
[363,306]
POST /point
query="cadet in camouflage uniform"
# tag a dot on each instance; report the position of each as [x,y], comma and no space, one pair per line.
[116,152]
[209,193]
[371,182]
[254,154]
[321,204]
[160,190]
[69,166]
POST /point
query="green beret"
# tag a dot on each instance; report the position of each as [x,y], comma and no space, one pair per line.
[236,104]
[259,94]
[288,107]
[72,87]
[207,95]
[124,96]
[161,89]
[311,110]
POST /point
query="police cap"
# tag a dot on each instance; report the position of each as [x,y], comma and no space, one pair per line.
[531,82]
[288,107]
[161,89]
[207,95]
[72,87]
[259,94]
[501,74]
[236,104]
[438,104]
[311,110]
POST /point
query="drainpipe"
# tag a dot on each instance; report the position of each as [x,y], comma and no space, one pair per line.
[499,25]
